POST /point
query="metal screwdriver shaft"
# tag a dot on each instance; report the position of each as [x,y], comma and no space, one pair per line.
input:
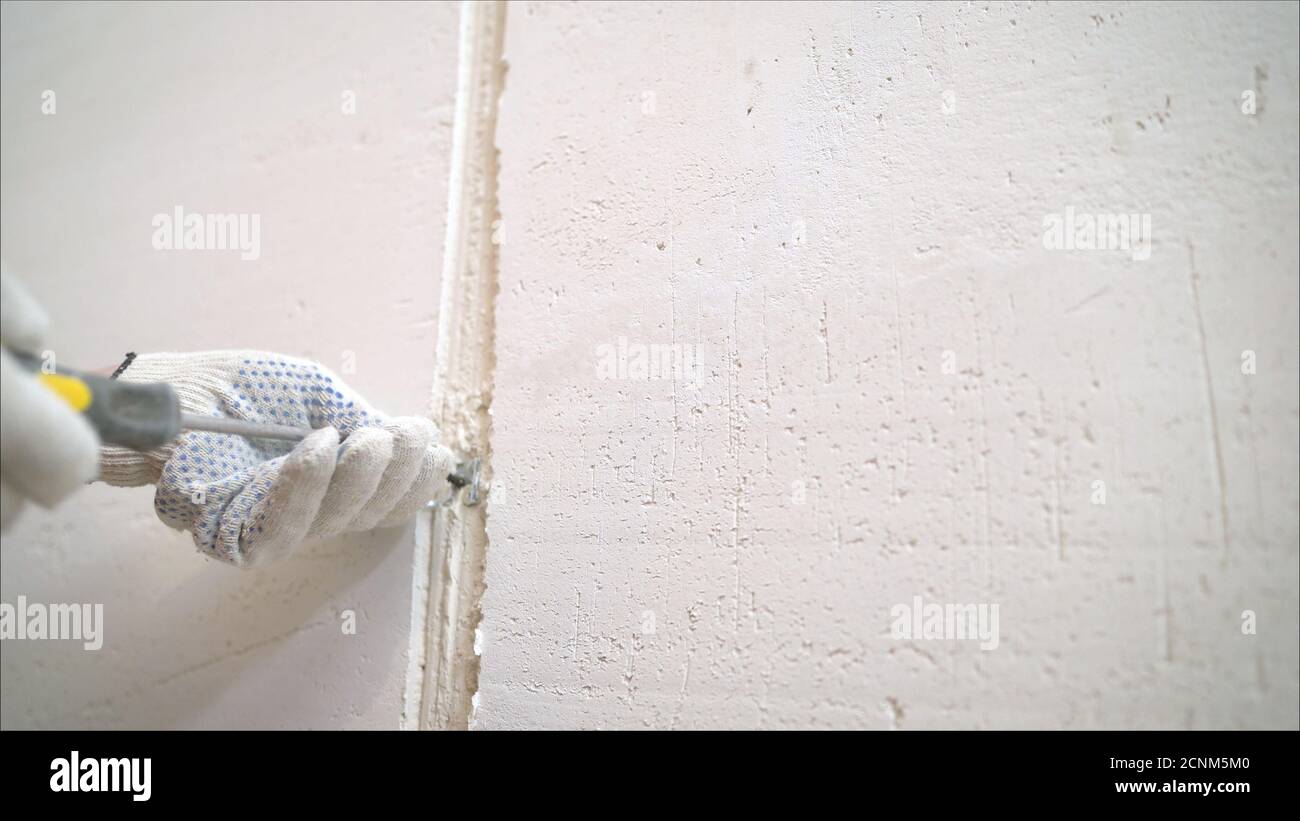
[466,473]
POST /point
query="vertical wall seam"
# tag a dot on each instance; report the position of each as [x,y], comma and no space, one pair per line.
[451,540]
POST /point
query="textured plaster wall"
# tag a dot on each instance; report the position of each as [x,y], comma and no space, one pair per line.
[835,201]
[224,108]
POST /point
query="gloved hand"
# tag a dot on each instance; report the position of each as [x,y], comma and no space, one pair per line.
[47,450]
[250,500]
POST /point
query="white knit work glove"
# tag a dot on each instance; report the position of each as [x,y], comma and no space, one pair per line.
[47,450]
[249,500]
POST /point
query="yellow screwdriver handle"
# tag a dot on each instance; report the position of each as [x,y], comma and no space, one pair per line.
[70,389]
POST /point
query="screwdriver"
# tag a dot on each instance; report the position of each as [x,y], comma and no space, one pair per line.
[146,415]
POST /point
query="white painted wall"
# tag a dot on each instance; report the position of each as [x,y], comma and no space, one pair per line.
[828,197]
[224,108]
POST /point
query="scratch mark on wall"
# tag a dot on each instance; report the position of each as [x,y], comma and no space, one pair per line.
[1217,447]
[233,654]
[826,341]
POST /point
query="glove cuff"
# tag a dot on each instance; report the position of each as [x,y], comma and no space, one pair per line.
[123,467]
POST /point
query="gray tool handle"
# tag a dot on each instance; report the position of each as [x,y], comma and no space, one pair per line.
[136,415]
